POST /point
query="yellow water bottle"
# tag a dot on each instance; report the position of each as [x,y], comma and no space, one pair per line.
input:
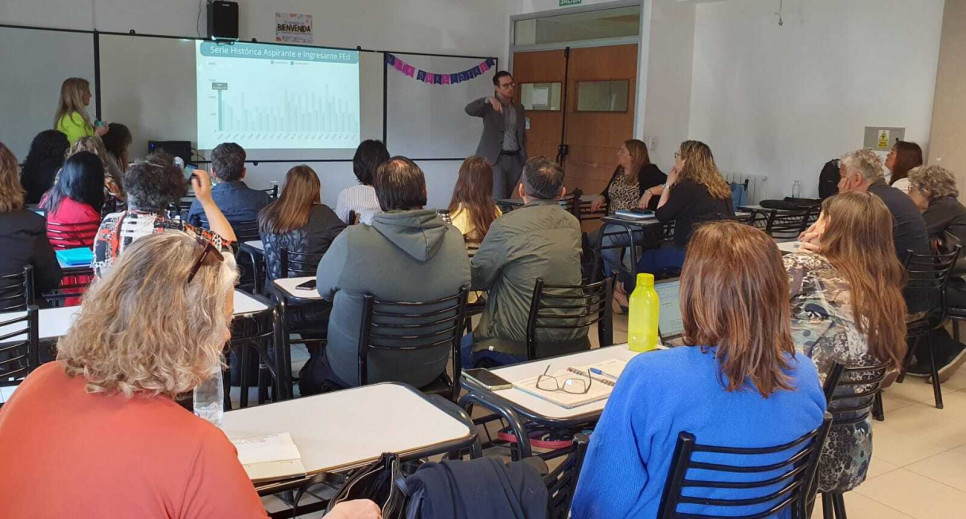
[643,315]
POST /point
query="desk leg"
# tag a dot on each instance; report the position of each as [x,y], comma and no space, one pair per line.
[457,412]
[519,428]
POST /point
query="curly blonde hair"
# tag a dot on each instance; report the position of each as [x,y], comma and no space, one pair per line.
[933,181]
[699,167]
[144,329]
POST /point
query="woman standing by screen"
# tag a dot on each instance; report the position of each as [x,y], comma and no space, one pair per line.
[72,119]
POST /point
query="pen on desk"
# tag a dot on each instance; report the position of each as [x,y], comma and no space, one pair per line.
[596,371]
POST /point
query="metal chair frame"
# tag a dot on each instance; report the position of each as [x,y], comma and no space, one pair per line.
[796,482]
[852,394]
[562,481]
[427,325]
[21,356]
[17,290]
[929,273]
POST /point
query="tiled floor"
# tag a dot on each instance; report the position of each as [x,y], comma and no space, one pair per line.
[919,452]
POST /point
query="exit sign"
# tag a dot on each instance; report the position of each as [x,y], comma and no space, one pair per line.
[564,3]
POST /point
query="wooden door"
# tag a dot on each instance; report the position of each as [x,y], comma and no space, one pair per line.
[593,138]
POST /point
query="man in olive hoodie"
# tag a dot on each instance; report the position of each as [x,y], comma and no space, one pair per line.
[407,254]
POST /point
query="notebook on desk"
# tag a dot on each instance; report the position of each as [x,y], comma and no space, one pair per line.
[269,458]
[604,375]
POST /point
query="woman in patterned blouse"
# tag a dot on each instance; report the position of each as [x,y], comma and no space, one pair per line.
[847,308]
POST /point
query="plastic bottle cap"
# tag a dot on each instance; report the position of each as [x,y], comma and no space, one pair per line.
[645,279]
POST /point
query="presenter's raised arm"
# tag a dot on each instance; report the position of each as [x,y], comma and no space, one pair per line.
[477,108]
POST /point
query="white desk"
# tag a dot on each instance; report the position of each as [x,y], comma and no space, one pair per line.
[345,429]
[287,287]
[789,247]
[54,322]
[256,244]
[546,408]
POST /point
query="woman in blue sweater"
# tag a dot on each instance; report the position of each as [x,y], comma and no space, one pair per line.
[739,383]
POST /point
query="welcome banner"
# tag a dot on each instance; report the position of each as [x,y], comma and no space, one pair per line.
[434,78]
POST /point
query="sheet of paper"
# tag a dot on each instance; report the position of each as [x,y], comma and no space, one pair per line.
[262,449]
[540,96]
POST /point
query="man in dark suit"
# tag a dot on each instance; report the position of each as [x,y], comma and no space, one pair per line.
[504,139]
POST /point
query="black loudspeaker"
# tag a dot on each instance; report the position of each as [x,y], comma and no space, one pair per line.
[177,148]
[222,20]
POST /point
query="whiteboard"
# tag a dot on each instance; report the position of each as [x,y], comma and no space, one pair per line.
[34,64]
[428,121]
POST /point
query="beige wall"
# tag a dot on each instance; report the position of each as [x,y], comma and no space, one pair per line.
[949,111]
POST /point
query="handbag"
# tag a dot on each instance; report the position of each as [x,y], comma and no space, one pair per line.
[381,481]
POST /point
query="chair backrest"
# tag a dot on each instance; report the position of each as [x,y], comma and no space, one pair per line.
[574,308]
[71,235]
[353,218]
[850,392]
[413,326]
[562,481]
[737,488]
[71,288]
[18,346]
[245,230]
[17,290]
[298,264]
[928,274]
[585,214]
[272,192]
[184,205]
[571,202]
[472,246]
[788,224]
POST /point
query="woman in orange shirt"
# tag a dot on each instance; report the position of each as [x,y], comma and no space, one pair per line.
[100,425]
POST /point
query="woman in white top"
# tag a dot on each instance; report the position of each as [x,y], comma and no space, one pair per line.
[904,156]
[362,198]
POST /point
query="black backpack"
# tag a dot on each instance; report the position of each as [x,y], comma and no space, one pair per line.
[828,179]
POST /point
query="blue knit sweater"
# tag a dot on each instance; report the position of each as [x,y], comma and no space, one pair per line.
[661,394]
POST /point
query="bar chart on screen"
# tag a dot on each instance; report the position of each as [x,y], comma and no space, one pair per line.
[249,96]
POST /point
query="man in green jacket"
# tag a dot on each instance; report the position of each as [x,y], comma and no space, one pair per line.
[539,240]
[407,254]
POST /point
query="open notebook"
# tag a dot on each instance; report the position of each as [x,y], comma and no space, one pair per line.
[600,388]
[269,458]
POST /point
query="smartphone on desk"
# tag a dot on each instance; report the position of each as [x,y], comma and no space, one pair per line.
[308,285]
[487,379]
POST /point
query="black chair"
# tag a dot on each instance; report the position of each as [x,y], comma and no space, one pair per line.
[353,218]
[184,205]
[17,290]
[306,314]
[795,490]
[71,235]
[272,192]
[582,209]
[851,395]
[71,288]
[298,264]
[558,308]
[414,326]
[928,274]
[789,224]
[253,338]
[19,347]
[562,481]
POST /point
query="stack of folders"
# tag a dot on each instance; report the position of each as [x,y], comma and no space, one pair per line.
[604,375]
[269,458]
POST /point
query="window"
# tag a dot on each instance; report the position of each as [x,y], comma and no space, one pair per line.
[602,96]
[540,96]
[600,24]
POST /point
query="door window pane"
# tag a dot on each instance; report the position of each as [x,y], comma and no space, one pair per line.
[581,26]
[602,96]
[540,96]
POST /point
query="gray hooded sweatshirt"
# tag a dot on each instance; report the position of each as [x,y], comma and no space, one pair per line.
[403,256]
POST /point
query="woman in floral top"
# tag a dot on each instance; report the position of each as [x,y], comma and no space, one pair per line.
[151,185]
[847,308]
